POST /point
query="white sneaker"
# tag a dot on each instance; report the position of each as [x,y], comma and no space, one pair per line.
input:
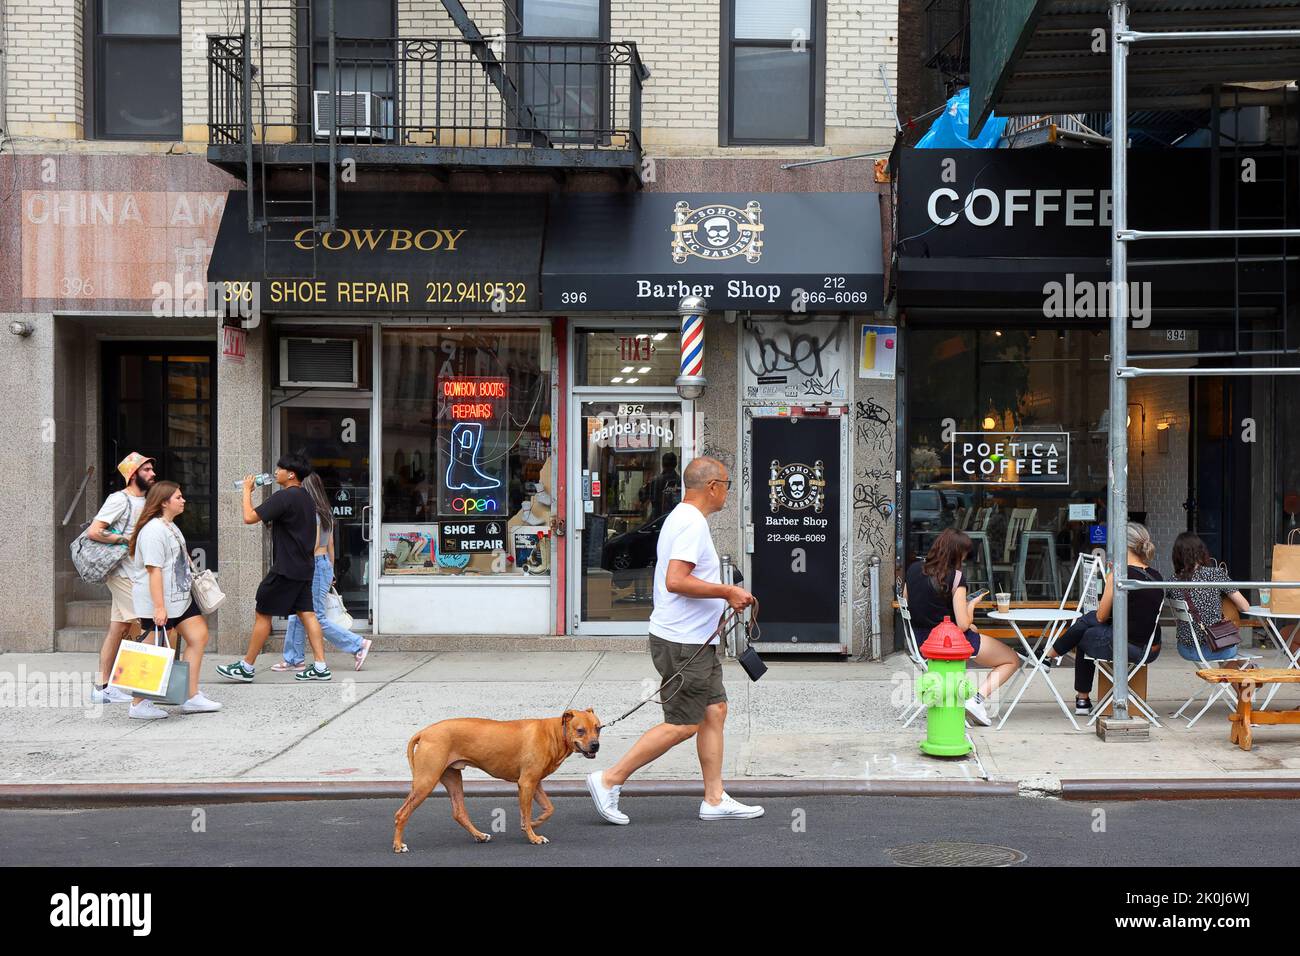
[728,809]
[606,799]
[109,695]
[199,704]
[147,710]
[978,713]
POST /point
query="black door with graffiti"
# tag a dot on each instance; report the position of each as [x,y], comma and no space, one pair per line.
[795,567]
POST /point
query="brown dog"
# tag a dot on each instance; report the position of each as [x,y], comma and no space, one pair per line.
[521,751]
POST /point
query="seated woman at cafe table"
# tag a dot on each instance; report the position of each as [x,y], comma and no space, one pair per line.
[1093,634]
[1193,562]
[935,590]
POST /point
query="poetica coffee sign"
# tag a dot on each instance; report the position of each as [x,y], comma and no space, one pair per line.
[1011,458]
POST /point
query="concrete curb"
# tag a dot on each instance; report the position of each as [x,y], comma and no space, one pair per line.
[24,795]
[1259,788]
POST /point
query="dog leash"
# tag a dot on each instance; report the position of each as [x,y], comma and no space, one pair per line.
[723,625]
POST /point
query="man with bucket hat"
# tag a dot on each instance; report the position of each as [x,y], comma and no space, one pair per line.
[113,524]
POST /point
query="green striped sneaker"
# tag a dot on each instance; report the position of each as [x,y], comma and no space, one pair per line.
[314,672]
[237,671]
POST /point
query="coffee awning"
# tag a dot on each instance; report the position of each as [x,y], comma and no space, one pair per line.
[392,252]
[643,252]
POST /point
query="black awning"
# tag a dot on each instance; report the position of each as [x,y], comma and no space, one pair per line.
[643,252]
[392,252]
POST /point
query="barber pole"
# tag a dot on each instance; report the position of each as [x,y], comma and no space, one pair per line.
[692,344]
[691,382]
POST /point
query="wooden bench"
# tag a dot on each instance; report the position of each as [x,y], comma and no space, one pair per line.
[1244,684]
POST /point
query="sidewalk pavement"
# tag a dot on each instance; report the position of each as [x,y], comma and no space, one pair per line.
[802,721]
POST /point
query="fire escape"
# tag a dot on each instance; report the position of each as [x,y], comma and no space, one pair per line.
[294,108]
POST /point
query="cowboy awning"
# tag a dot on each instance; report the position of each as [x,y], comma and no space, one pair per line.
[391,252]
[768,252]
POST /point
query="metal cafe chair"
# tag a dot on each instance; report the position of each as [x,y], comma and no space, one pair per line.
[913,709]
[1183,615]
[1107,670]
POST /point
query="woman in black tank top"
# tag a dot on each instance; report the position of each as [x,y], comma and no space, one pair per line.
[935,589]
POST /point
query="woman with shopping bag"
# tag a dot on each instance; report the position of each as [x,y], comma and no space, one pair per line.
[295,657]
[161,589]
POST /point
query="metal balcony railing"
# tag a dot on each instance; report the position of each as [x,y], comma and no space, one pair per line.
[423,92]
[947,37]
[227,101]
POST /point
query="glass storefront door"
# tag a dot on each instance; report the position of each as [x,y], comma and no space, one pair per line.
[334,434]
[625,479]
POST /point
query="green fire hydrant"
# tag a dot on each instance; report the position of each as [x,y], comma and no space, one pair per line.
[944,688]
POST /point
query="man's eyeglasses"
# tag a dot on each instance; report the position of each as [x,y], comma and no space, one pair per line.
[721,481]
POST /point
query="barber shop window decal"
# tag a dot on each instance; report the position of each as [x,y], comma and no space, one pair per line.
[797,487]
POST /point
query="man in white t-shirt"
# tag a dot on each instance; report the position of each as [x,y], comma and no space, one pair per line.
[689,598]
[113,524]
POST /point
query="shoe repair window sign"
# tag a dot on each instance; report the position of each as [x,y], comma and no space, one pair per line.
[1011,458]
[634,429]
[474,439]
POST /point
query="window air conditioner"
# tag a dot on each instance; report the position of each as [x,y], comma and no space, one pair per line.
[318,363]
[360,115]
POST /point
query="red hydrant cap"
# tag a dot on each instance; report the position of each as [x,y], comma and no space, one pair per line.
[947,642]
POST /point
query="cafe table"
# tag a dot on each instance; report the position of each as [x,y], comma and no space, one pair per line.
[1054,621]
[1271,619]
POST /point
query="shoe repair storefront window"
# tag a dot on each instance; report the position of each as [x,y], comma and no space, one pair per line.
[466,476]
[1007,434]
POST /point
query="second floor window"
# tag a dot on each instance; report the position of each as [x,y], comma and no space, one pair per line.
[137,68]
[770,57]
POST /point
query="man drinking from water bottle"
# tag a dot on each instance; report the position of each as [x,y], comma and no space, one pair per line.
[689,598]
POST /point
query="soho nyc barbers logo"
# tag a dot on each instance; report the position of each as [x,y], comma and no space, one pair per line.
[797,486]
[717,231]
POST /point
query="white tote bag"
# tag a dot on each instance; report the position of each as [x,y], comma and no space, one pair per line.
[335,612]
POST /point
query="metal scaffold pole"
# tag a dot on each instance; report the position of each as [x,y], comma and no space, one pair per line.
[1117,503]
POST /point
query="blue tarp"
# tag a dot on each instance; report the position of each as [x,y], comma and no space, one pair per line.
[951,130]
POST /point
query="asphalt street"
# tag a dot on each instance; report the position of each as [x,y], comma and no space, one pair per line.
[812,831]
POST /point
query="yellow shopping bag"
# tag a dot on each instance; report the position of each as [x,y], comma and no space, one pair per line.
[142,668]
[1286,567]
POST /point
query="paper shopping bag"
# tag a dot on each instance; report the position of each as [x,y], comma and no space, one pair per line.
[141,668]
[1286,567]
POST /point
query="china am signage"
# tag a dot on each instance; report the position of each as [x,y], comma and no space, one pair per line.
[1011,458]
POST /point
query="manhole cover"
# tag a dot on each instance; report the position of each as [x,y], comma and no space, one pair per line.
[955,854]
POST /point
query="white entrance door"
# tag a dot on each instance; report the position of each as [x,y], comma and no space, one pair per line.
[626,458]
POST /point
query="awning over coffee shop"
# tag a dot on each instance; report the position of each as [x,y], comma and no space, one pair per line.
[642,252]
[392,252]
[1001,229]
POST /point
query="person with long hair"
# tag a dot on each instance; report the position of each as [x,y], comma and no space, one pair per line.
[322,580]
[935,589]
[161,592]
[1093,634]
[1193,562]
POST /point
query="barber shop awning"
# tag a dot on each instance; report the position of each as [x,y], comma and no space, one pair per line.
[392,252]
[643,252]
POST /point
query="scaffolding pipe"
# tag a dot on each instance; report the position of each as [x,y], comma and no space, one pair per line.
[1142,36]
[1117,503]
[1162,585]
[1134,235]
[1130,372]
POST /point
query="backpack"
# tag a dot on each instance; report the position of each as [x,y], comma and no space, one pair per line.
[95,560]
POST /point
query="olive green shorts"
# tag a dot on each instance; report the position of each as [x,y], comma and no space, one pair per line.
[685,700]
